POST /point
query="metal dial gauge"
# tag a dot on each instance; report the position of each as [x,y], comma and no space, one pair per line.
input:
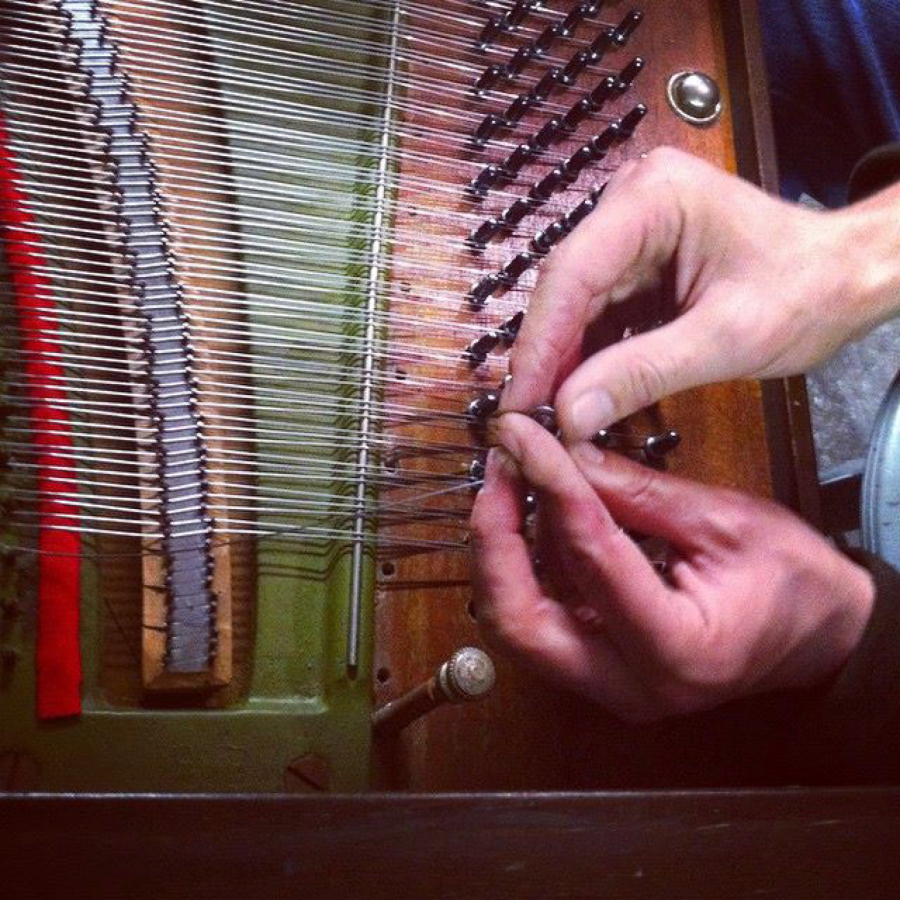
[880,514]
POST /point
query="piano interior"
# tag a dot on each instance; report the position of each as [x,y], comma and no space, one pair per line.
[264,264]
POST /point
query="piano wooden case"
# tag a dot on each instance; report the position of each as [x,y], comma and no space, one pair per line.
[279,252]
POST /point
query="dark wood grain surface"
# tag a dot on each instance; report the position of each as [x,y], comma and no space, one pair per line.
[791,844]
[743,435]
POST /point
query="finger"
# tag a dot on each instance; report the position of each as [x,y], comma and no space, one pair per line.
[622,246]
[629,595]
[514,612]
[551,562]
[684,513]
[633,374]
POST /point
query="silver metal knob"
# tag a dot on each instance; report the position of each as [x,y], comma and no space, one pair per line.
[468,675]
[696,97]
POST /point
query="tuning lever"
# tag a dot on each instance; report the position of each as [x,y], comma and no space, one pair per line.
[467,676]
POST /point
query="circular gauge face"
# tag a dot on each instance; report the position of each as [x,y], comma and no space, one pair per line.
[880,514]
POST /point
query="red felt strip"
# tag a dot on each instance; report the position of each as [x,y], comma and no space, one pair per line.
[58,655]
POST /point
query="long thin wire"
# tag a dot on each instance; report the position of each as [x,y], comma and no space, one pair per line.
[277,344]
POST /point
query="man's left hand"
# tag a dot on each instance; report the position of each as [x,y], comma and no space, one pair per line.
[752,600]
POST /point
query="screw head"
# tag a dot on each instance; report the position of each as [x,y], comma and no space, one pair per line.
[696,97]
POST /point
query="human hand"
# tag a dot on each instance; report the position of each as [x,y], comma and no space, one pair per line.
[753,600]
[760,289]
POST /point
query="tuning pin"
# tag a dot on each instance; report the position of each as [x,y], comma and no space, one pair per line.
[515,213]
[658,447]
[572,21]
[591,9]
[517,15]
[492,30]
[483,407]
[467,676]
[574,67]
[483,234]
[509,330]
[544,87]
[577,163]
[477,352]
[602,439]
[548,134]
[483,290]
[630,122]
[517,267]
[490,124]
[544,189]
[601,45]
[484,181]
[488,78]
[519,60]
[576,115]
[545,40]
[516,110]
[580,213]
[544,241]
[627,27]
[604,141]
[545,416]
[603,93]
[629,73]
[476,472]
[516,160]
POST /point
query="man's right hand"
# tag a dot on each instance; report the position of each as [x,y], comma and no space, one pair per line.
[761,289]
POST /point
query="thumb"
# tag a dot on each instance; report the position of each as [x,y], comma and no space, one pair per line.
[634,374]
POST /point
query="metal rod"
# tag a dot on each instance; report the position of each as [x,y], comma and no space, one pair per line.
[368,369]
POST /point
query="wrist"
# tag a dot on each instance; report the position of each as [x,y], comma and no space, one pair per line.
[870,249]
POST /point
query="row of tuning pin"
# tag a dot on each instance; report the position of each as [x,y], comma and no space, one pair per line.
[543,242]
[539,47]
[657,446]
[515,17]
[559,178]
[652,450]
[555,77]
[554,131]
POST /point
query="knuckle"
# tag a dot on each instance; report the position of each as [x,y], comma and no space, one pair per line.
[531,356]
[558,262]
[646,380]
[664,162]
[642,486]
[734,519]
[622,174]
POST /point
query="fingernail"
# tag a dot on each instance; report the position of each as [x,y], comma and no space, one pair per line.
[590,413]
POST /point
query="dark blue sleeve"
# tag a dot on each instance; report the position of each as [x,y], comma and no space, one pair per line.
[834,72]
